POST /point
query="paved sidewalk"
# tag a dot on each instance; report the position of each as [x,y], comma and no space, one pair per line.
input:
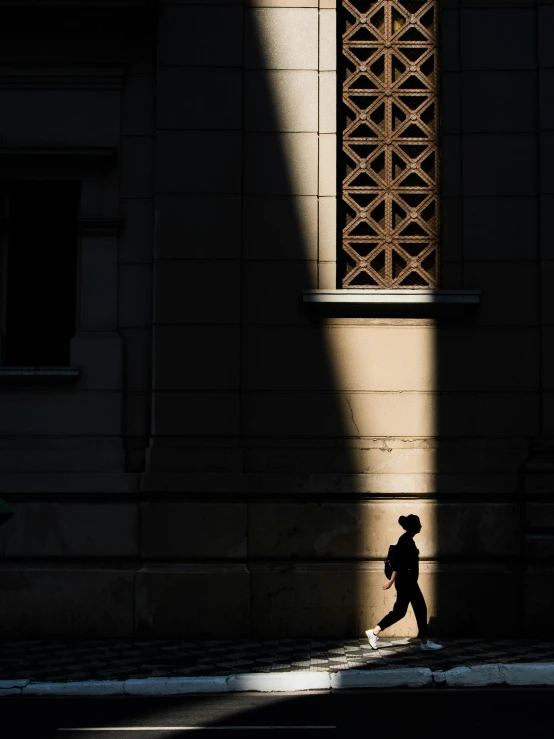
[67,661]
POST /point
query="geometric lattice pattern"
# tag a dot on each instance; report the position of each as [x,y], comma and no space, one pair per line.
[389,136]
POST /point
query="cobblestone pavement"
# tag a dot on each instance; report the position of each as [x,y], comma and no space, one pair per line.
[119,660]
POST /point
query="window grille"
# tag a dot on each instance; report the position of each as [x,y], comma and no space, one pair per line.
[389,138]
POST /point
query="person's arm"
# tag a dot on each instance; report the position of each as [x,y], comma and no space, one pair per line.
[398,561]
[390,582]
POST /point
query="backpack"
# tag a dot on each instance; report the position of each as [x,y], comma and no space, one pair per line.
[389,562]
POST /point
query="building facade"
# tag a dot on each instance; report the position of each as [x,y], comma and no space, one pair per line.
[274,273]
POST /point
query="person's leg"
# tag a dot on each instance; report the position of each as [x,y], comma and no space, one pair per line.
[398,611]
[420,612]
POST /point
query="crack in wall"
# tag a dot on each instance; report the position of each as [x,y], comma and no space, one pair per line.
[347,398]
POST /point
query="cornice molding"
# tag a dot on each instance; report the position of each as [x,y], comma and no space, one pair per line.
[19,160]
[70,4]
[398,296]
[56,77]
[399,302]
[38,375]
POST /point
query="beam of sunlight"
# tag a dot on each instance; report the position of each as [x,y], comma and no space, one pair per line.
[389,411]
[383,370]
[288,97]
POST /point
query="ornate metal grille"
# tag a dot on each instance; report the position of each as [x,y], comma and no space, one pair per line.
[390,152]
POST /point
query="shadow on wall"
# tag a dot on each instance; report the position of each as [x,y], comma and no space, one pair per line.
[304,532]
[297,572]
[330,442]
[487,359]
[323,508]
[480,508]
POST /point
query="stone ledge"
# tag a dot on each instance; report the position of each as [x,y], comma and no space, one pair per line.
[68,483]
[277,682]
[101,155]
[515,675]
[17,683]
[38,375]
[175,685]
[402,302]
[403,677]
[476,676]
[388,297]
[86,687]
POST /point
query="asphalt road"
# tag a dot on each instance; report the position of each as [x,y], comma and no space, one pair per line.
[429,714]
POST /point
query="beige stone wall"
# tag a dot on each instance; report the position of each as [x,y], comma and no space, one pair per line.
[320,431]
[283,444]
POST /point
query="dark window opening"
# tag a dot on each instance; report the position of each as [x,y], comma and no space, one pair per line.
[40,281]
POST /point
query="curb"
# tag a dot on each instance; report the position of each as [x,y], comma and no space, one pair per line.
[476,676]
[403,677]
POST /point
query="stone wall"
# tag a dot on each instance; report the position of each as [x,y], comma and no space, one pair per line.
[258,454]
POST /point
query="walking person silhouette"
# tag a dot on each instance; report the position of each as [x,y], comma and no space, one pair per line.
[405,575]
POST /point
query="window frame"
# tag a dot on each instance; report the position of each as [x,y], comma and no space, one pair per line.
[9,188]
[99,225]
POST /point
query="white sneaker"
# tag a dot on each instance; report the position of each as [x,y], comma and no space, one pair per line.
[430,646]
[372,638]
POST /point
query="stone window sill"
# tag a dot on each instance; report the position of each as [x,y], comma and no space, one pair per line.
[368,301]
[39,375]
